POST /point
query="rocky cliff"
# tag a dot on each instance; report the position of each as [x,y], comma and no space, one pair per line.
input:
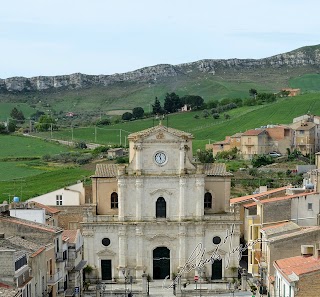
[306,56]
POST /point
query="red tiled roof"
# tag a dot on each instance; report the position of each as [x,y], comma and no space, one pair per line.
[253,132]
[31,224]
[38,252]
[71,234]
[274,226]
[256,196]
[274,199]
[47,208]
[299,265]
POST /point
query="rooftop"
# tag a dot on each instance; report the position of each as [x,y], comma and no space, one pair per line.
[216,169]
[253,132]
[257,196]
[106,170]
[298,265]
[275,199]
[71,234]
[280,228]
[297,233]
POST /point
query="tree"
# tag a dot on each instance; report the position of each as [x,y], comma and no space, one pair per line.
[194,101]
[205,156]
[46,123]
[127,116]
[156,107]
[138,112]
[12,126]
[253,92]
[17,114]
[172,102]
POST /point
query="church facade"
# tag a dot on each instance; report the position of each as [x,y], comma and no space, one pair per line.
[161,214]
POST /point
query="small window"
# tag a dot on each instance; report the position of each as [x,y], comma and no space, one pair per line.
[161,208]
[58,199]
[207,200]
[114,200]
[309,206]
[216,239]
[106,241]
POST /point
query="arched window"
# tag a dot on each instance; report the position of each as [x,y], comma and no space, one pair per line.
[161,211]
[207,200]
[114,200]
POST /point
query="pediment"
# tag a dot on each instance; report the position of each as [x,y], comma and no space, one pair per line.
[216,252]
[161,238]
[161,192]
[106,253]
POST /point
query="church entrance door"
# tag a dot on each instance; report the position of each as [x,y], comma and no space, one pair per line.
[216,269]
[161,263]
[106,270]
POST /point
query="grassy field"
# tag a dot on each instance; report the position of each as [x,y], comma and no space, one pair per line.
[31,186]
[5,109]
[23,173]
[204,130]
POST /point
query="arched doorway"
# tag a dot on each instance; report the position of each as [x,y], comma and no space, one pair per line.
[161,263]
[216,270]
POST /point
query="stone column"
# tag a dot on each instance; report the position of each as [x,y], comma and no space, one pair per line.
[138,149]
[121,200]
[139,252]
[182,246]
[182,193]
[139,196]
[199,195]
[122,249]
[181,158]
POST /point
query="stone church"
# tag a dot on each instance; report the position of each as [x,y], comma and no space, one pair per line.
[162,213]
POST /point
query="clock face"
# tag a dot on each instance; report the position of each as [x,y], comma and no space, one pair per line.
[160,158]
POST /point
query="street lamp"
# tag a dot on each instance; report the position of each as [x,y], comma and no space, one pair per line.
[125,281]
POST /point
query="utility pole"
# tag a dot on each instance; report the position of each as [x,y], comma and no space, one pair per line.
[120,137]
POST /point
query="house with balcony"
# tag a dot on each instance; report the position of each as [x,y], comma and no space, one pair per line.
[75,263]
[48,236]
[15,272]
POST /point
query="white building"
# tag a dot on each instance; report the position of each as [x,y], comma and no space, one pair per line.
[72,195]
[155,211]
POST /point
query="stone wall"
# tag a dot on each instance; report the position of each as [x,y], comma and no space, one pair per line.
[277,211]
[309,285]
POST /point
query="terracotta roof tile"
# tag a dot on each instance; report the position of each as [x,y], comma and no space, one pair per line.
[71,234]
[298,265]
[297,233]
[48,209]
[280,228]
[256,196]
[253,132]
[216,169]
[31,224]
[275,199]
[106,170]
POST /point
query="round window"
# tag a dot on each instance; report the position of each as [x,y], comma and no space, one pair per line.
[106,241]
[216,240]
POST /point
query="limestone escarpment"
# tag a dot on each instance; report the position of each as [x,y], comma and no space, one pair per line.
[307,56]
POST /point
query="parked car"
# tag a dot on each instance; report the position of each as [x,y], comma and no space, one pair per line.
[274,154]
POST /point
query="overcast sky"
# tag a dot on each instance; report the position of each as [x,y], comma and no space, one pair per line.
[54,37]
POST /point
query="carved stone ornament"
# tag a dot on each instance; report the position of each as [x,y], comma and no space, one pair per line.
[160,135]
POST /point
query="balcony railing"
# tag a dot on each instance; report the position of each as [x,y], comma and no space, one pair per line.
[61,256]
[54,277]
